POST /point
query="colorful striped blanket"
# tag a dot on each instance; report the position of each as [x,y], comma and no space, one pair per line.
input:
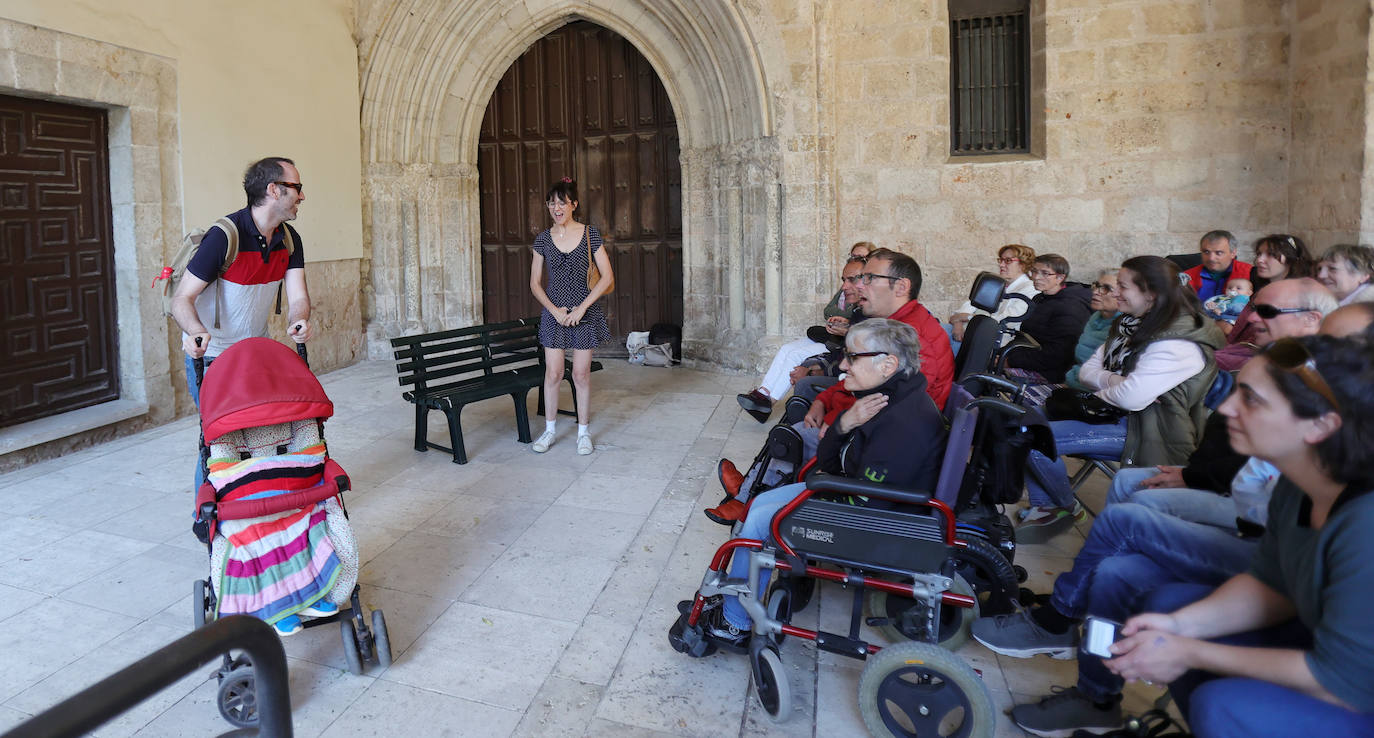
[278,564]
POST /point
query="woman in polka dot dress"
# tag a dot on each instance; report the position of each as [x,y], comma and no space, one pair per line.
[572,317]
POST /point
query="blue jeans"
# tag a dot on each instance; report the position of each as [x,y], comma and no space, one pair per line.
[1130,551]
[756,525]
[194,388]
[1230,707]
[953,344]
[1194,505]
[808,388]
[1047,485]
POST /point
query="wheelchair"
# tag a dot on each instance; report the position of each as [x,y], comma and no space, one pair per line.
[907,552]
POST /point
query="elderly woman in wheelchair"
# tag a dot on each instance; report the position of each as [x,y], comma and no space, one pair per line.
[890,441]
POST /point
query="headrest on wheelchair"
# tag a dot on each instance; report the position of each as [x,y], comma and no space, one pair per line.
[987,291]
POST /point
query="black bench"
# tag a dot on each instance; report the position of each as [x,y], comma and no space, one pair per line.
[449,369]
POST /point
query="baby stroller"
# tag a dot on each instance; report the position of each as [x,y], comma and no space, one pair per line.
[907,552]
[271,513]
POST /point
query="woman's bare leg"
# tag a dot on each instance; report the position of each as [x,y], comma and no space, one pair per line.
[582,383]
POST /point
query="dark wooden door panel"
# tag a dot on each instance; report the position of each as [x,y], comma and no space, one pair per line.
[583,102]
[58,337]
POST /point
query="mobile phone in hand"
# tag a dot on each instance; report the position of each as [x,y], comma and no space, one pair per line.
[1098,636]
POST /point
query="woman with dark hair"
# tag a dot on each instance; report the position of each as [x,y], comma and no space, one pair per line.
[573,317]
[1286,648]
[1281,256]
[1156,366]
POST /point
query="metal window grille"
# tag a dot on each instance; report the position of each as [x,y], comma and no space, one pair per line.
[989,76]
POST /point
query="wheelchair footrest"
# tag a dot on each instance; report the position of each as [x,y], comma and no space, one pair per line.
[835,643]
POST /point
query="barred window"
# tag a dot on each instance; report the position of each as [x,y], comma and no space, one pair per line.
[989,77]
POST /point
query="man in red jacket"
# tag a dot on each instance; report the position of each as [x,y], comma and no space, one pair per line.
[888,288]
[1219,265]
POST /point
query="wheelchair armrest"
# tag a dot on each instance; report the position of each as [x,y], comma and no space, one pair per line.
[1010,385]
[821,482]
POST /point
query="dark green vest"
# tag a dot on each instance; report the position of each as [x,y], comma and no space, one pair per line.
[1168,430]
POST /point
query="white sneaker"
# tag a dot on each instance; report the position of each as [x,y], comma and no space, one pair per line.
[585,445]
[542,443]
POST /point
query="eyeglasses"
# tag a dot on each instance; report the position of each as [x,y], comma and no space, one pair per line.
[297,186]
[1007,260]
[868,277]
[1269,312]
[1294,358]
[857,278]
[1100,287]
[852,356]
[1042,273]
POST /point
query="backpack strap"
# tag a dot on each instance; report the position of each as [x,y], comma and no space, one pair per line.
[290,249]
[231,253]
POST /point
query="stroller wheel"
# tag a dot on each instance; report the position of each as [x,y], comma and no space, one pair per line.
[352,654]
[922,689]
[238,698]
[770,683]
[200,604]
[954,623]
[381,641]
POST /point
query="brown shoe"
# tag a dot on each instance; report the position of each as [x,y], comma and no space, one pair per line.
[757,404]
[726,514]
[730,478]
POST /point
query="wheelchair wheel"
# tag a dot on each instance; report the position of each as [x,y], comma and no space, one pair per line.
[990,574]
[238,698]
[919,689]
[770,683]
[352,654]
[954,623]
[381,640]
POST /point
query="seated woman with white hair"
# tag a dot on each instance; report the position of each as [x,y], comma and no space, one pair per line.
[893,435]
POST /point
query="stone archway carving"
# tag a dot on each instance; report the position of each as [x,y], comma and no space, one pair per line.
[428,68]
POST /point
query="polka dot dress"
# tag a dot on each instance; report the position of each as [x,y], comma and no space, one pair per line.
[565,282]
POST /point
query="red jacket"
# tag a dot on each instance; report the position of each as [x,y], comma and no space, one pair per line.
[1239,270]
[937,361]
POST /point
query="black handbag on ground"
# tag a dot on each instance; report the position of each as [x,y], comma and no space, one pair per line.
[1066,403]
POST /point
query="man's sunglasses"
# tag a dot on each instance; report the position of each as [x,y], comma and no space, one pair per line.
[297,186]
[1269,312]
[851,356]
[1294,358]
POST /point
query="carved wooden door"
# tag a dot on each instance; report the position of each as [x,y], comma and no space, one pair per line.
[58,334]
[583,102]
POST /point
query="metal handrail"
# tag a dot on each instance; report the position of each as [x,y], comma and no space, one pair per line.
[93,706]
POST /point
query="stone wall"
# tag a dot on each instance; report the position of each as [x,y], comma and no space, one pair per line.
[1330,123]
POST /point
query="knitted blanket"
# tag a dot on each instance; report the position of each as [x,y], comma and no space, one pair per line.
[275,565]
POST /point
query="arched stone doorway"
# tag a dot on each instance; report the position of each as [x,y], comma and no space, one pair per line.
[428,69]
[583,102]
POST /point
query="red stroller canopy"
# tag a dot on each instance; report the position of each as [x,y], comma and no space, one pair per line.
[258,381]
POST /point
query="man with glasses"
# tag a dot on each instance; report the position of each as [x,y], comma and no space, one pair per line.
[1287,308]
[238,297]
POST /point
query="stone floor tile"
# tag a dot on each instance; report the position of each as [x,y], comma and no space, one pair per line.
[429,565]
[387,708]
[56,566]
[558,586]
[143,585]
[44,638]
[493,656]
[563,708]
[487,519]
[21,535]
[610,493]
[580,531]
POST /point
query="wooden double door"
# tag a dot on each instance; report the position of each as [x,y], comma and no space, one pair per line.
[59,339]
[582,102]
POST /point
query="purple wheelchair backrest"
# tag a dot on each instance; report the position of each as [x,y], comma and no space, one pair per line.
[963,420]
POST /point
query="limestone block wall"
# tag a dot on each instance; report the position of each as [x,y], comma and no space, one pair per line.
[1160,120]
[1328,181]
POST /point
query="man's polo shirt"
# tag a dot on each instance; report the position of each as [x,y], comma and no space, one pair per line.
[248,288]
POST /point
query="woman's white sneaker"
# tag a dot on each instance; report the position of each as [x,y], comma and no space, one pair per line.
[585,445]
[542,443]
